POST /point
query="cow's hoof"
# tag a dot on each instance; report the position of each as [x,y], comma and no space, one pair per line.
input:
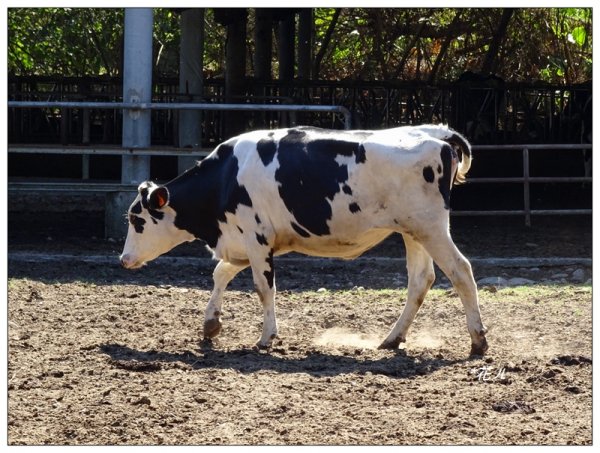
[479,350]
[206,344]
[261,347]
[390,344]
[212,327]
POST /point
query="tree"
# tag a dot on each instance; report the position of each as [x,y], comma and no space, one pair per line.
[433,44]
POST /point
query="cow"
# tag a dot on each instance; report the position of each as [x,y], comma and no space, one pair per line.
[319,192]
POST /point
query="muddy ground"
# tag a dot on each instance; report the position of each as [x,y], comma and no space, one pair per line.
[99,355]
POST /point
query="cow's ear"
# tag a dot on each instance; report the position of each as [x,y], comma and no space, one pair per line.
[158,198]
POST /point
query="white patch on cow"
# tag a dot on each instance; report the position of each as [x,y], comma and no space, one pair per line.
[231,246]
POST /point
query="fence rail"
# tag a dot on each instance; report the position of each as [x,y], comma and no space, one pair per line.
[526,180]
[527,212]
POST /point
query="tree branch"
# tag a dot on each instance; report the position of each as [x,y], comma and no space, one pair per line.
[326,41]
[444,48]
[489,64]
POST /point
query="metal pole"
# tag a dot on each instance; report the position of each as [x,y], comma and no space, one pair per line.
[85,139]
[137,88]
[526,194]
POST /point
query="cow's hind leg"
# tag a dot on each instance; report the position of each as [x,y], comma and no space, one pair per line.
[224,272]
[420,278]
[263,274]
[458,270]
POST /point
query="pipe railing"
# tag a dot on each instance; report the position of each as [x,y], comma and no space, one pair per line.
[136,106]
[527,180]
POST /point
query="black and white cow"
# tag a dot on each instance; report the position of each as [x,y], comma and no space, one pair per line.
[321,193]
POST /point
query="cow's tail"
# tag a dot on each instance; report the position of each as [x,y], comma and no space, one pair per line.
[463,150]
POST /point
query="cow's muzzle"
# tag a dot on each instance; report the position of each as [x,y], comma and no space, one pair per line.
[129,262]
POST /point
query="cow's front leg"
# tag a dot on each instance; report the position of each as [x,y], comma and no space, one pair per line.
[264,282]
[224,272]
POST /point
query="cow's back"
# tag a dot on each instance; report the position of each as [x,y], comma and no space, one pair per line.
[321,192]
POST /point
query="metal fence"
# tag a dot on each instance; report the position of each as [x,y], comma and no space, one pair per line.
[488,113]
[527,180]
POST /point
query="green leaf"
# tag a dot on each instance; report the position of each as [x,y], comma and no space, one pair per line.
[578,34]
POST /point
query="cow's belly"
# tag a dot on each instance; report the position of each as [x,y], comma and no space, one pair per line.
[332,246]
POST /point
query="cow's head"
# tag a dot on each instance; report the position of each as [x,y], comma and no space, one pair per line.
[152,229]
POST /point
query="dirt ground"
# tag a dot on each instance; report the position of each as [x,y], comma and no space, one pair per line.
[100,356]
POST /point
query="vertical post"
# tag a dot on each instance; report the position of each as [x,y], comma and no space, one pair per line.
[263,53]
[526,194]
[137,87]
[286,33]
[235,69]
[85,166]
[190,82]
[263,41]
[85,137]
[305,39]
[65,114]
[286,47]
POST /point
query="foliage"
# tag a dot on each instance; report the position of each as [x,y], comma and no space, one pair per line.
[548,44]
[67,41]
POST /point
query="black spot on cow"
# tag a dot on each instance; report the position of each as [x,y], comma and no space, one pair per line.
[270,273]
[428,174]
[361,155]
[309,176]
[257,218]
[354,207]
[240,230]
[137,222]
[136,208]
[301,231]
[346,189]
[262,239]
[439,169]
[203,195]
[447,154]
[266,151]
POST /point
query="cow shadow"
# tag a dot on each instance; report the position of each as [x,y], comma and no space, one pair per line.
[247,360]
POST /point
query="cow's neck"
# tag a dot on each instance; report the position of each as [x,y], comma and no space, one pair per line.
[194,197]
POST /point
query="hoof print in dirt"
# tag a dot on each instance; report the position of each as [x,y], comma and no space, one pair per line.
[134,365]
[571,360]
[513,406]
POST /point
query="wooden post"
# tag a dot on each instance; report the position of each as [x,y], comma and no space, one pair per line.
[235,64]
[305,43]
[190,82]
